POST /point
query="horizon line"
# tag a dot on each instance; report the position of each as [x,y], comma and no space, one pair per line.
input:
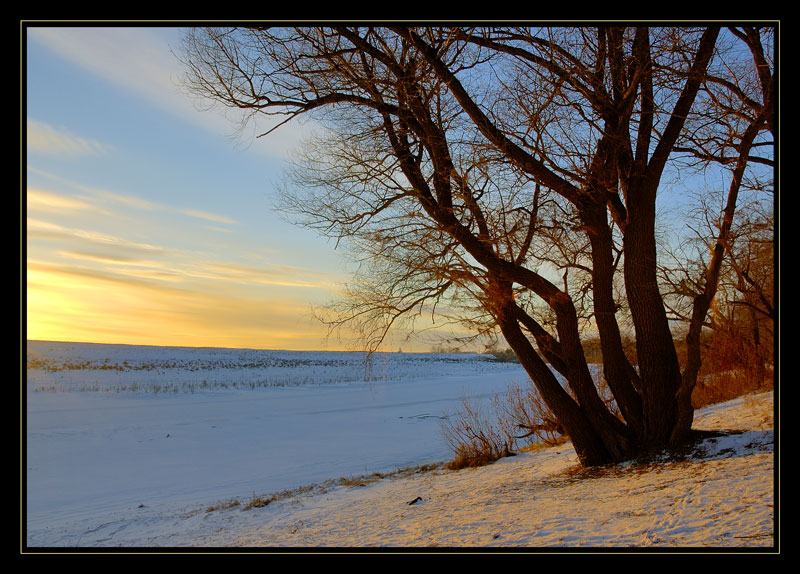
[400,351]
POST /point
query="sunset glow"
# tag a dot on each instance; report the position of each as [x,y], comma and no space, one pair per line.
[145,222]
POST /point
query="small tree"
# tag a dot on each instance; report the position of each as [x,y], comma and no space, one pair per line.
[508,177]
[742,106]
[738,333]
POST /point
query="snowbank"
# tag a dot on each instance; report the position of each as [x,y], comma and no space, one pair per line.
[720,495]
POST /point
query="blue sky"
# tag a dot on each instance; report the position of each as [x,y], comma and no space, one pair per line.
[149,221]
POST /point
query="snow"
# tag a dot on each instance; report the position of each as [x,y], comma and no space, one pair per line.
[147,447]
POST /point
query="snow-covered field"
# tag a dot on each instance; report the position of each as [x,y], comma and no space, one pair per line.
[132,447]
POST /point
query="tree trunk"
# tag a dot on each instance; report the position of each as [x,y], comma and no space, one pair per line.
[598,436]
[658,361]
[618,371]
[590,449]
[702,302]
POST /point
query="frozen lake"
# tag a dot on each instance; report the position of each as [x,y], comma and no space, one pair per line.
[113,428]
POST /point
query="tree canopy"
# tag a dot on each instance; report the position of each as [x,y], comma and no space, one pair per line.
[509,176]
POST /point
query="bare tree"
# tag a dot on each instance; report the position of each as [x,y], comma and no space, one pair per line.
[738,95]
[738,330]
[505,175]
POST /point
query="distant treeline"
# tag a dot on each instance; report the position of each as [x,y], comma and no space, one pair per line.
[592,350]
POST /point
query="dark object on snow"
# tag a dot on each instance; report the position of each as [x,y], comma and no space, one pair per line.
[417,499]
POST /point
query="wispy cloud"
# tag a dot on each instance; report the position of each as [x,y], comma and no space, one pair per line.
[120,257]
[105,306]
[218,229]
[209,216]
[40,229]
[279,275]
[47,139]
[141,61]
[125,200]
[40,200]
[57,273]
[93,192]
[37,228]
[99,238]
[135,58]
[116,257]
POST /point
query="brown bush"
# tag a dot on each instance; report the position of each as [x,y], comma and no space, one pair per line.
[477,438]
[726,385]
[523,416]
[735,363]
[481,433]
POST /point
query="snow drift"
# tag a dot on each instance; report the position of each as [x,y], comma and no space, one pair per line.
[126,447]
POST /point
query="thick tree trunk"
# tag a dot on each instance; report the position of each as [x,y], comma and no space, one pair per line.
[615,435]
[598,436]
[659,369]
[587,443]
[618,371]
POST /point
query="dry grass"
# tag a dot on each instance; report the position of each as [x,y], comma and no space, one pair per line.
[348,481]
[482,433]
[259,502]
[472,455]
[724,386]
[477,437]
[223,505]
[537,446]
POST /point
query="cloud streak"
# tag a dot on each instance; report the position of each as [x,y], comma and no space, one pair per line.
[38,229]
[141,61]
[278,275]
[41,200]
[137,59]
[209,216]
[46,139]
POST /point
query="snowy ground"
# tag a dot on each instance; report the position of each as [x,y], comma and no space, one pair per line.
[127,447]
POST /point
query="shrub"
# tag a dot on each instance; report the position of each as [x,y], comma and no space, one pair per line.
[223,505]
[524,416]
[735,364]
[726,385]
[259,502]
[476,438]
[481,433]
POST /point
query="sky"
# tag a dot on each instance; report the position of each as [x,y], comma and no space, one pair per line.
[150,221]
